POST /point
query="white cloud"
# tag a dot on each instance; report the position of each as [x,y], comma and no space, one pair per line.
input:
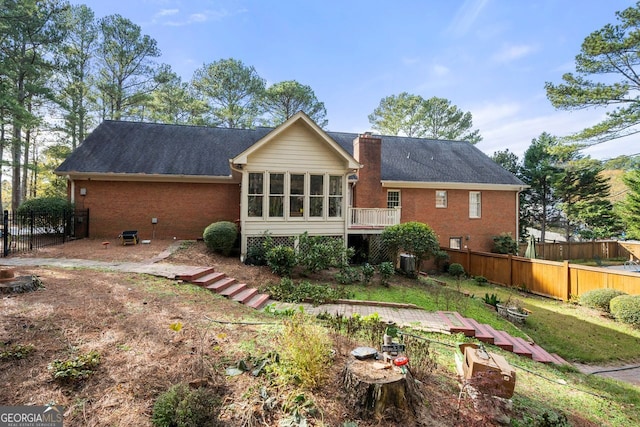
[167,12]
[193,18]
[439,70]
[512,52]
[465,17]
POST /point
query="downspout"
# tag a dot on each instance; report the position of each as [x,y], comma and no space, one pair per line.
[243,237]
[518,214]
[73,189]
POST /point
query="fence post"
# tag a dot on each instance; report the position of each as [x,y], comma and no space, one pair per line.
[567,281]
[468,261]
[510,271]
[5,234]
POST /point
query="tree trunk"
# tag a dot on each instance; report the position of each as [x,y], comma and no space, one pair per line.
[377,393]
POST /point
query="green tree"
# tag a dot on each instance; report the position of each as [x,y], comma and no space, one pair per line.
[415,238]
[173,101]
[507,160]
[538,172]
[74,77]
[606,75]
[127,73]
[629,209]
[232,90]
[413,116]
[282,100]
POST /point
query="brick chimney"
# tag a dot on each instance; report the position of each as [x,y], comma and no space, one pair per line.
[368,192]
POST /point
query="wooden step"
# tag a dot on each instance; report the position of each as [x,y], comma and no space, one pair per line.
[221,284]
[258,301]
[457,323]
[538,353]
[233,290]
[245,295]
[520,346]
[195,274]
[559,360]
[481,333]
[499,340]
[208,279]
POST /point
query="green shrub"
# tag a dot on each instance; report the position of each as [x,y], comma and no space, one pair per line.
[316,253]
[413,237]
[220,237]
[368,271]
[491,299]
[257,254]
[480,280]
[182,406]
[504,244]
[348,275]
[456,270]
[386,271]
[626,309]
[289,291]
[48,212]
[306,351]
[281,260]
[599,298]
[77,368]
[15,352]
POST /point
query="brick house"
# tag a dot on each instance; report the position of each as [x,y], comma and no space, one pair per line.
[173,180]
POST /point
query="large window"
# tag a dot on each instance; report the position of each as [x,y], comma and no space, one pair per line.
[276,194]
[475,204]
[256,194]
[316,195]
[296,195]
[441,198]
[455,242]
[335,196]
[393,199]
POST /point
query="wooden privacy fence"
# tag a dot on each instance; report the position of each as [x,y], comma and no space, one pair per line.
[584,250]
[549,278]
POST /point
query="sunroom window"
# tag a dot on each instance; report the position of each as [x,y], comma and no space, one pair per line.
[316,195]
[256,194]
[296,195]
[335,196]
[276,194]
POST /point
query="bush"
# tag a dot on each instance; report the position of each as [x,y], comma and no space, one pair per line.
[16,351]
[386,271]
[306,351]
[367,272]
[599,298]
[481,280]
[316,253]
[504,244]
[48,212]
[181,406]
[257,254]
[220,237]
[78,368]
[413,237]
[288,291]
[348,275]
[281,260]
[456,270]
[626,309]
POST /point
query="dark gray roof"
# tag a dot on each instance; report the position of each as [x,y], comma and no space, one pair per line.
[148,148]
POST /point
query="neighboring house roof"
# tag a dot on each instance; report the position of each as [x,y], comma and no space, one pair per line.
[118,147]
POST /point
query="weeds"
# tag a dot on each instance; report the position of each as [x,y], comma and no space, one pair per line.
[16,352]
[75,369]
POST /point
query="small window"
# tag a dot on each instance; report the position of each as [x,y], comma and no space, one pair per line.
[475,204]
[335,196]
[256,194]
[296,195]
[393,199]
[455,242]
[441,199]
[276,195]
[316,195]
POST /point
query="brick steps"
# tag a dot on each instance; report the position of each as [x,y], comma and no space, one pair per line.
[485,333]
[229,287]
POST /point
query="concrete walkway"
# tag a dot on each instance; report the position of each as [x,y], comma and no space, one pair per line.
[403,317]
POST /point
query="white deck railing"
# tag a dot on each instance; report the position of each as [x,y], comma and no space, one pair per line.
[373,217]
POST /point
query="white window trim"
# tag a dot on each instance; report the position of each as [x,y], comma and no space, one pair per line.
[446,199]
[455,239]
[399,198]
[475,204]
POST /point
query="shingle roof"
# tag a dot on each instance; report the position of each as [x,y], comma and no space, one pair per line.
[148,148]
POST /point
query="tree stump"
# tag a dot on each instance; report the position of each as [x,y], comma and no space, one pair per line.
[376,392]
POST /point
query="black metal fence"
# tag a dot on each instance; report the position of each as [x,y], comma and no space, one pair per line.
[22,232]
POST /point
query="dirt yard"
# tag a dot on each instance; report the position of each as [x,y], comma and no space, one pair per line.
[127,319]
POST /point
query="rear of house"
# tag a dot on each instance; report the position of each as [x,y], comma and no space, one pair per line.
[172,181]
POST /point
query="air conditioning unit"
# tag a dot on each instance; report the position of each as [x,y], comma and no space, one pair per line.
[407,263]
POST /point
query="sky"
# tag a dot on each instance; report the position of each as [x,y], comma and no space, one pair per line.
[491,58]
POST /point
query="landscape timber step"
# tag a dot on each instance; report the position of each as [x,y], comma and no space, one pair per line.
[538,353]
[481,334]
[245,295]
[499,340]
[258,301]
[233,290]
[221,284]
[196,273]
[456,323]
[208,279]
[520,346]
[559,360]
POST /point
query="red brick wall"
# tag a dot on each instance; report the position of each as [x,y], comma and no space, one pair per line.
[368,192]
[498,215]
[183,209]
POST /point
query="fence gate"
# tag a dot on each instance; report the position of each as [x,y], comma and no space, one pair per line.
[22,232]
